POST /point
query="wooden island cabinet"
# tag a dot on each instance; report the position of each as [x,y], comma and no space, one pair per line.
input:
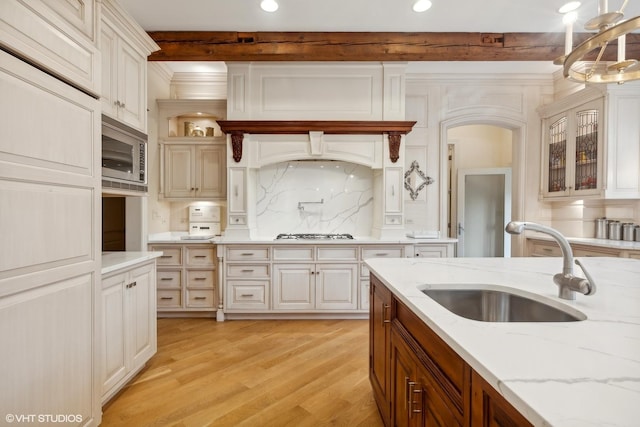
[419,380]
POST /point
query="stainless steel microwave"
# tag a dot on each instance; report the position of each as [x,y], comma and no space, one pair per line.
[124,156]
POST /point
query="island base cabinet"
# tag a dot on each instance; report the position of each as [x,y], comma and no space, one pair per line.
[417,399]
[379,360]
[419,380]
[489,409]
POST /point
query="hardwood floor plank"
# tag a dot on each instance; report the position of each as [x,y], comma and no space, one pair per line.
[252,373]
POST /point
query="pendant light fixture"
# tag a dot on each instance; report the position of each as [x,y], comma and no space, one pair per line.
[610,27]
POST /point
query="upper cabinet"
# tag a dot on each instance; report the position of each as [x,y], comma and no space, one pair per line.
[65,43]
[193,154]
[125,48]
[591,144]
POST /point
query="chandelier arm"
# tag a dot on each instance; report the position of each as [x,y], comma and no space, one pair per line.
[597,61]
[596,41]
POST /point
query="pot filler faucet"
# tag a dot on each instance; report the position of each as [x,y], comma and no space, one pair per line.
[566,281]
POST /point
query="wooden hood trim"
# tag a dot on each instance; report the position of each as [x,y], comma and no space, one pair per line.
[346,127]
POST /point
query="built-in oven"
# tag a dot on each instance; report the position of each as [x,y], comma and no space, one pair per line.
[124,156]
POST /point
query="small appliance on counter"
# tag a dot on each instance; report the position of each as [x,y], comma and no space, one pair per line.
[204,222]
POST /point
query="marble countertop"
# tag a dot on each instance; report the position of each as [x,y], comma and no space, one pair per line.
[584,373]
[603,243]
[113,261]
[177,237]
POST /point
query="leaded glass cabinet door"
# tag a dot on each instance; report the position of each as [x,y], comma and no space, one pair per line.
[557,156]
[573,152]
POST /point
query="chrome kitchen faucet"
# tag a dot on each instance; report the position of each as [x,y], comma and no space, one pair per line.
[566,281]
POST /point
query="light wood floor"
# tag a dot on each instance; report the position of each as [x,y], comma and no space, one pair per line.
[252,373]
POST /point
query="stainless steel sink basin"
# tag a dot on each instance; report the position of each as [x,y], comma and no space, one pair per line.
[488,305]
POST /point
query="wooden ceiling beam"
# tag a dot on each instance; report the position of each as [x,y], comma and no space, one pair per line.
[362,46]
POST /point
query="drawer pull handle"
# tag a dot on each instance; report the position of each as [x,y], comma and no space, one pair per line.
[247,270]
[167,278]
[200,278]
[382,254]
[385,307]
[166,256]
[200,256]
[165,298]
[246,295]
[200,298]
[546,249]
[247,253]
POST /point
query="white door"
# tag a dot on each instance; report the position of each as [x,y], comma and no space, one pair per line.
[484,209]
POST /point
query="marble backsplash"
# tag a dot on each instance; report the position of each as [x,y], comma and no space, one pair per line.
[314,197]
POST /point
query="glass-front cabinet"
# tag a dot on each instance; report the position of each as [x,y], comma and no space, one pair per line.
[573,149]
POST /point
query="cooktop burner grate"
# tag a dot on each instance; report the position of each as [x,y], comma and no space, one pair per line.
[314,236]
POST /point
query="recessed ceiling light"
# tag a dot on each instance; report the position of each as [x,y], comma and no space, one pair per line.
[269,5]
[568,7]
[421,5]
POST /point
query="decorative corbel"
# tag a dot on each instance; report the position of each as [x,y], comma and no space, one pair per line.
[236,145]
[394,146]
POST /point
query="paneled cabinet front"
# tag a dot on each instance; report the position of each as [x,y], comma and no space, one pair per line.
[129,325]
[187,277]
[194,171]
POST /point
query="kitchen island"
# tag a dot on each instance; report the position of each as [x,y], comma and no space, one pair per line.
[577,373]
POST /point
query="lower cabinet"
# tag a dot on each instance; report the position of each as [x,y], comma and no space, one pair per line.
[128,325]
[418,380]
[315,286]
[187,277]
[549,248]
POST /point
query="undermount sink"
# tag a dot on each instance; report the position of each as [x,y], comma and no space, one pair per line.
[489,305]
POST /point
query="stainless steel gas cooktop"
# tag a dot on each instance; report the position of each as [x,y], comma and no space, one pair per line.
[314,236]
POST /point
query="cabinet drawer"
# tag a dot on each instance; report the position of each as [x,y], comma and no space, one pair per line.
[373,252]
[247,270]
[248,253]
[431,251]
[337,253]
[587,252]
[171,255]
[293,253]
[169,279]
[169,299]
[200,278]
[200,256]
[248,294]
[544,250]
[199,298]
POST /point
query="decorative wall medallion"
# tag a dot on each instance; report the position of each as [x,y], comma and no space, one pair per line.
[394,146]
[236,146]
[415,180]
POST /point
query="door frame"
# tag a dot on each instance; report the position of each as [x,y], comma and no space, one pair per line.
[508,194]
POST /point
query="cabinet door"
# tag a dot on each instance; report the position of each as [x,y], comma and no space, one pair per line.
[490,409]
[178,171]
[114,358]
[406,393]
[587,149]
[132,91]
[379,353]
[141,314]
[432,407]
[336,286]
[109,51]
[294,286]
[211,172]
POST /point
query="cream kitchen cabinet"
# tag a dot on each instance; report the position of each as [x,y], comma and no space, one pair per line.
[549,248]
[58,35]
[194,171]
[247,278]
[591,144]
[128,324]
[315,287]
[326,279]
[187,279]
[124,66]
